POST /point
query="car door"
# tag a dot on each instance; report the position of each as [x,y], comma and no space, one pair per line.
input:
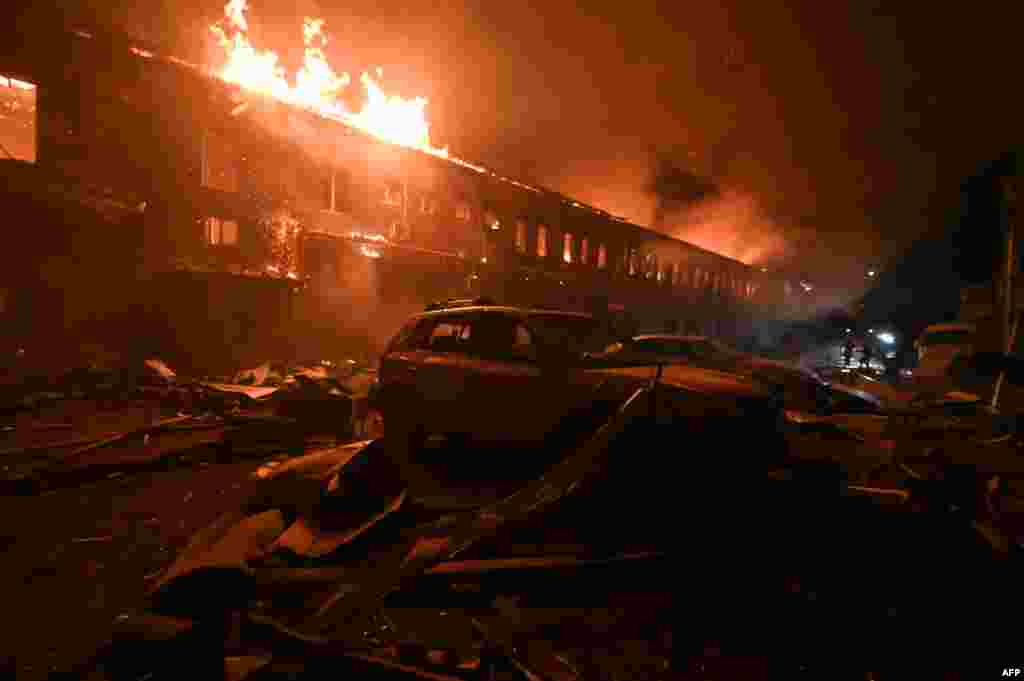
[401,398]
[440,376]
[501,379]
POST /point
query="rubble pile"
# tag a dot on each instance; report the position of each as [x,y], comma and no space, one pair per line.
[113,416]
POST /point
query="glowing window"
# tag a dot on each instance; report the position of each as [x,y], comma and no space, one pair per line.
[542,241]
[221,232]
[393,195]
[521,236]
[602,257]
[491,220]
[17,119]
[567,247]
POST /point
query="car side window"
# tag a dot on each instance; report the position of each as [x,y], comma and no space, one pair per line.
[450,334]
[523,347]
[494,336]
[413,335]
[647,345]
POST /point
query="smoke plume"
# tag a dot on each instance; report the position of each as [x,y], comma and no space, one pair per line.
[726,220]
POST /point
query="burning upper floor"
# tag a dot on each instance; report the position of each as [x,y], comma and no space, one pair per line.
[240,164]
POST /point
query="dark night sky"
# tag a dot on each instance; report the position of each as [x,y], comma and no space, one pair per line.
[839,132]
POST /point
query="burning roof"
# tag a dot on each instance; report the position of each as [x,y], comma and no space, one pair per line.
[316,88]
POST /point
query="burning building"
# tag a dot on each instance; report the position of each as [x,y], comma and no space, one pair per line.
[251,219]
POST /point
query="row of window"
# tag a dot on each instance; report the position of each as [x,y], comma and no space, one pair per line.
[222,175]
[646,267]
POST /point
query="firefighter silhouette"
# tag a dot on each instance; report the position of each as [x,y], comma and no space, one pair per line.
[848,352]
[865,357]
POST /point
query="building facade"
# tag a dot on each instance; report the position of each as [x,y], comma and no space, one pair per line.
[357,233]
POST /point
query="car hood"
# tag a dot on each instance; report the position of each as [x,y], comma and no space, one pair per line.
[686,377]
[853,392]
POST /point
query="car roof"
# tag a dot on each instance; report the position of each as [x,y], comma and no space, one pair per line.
[668,336]
[949,327]
[505,309]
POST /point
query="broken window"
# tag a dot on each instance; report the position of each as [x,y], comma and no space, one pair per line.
[428,204]
[602,257]
[17,119]
[336,191]
[567,254]
[521,236]
[650,266]
[400,231]
[542,241]
[327,190]
[221,232]
[393,195]
[584,247]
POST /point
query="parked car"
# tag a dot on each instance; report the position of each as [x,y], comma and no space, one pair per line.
[939,345]
[498,373]
[802,389]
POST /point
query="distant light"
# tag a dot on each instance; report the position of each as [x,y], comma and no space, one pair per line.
[369,252]
[495,225]
[871,330]
[871,273]
[886,337]
[764,269]
[849,331]
[484,260]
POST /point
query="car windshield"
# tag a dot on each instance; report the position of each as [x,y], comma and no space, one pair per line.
[569,332]
[950,337]
[709,349]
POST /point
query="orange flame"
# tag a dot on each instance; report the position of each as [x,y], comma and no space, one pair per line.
[317,86]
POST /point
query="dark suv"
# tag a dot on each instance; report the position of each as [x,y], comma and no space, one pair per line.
[493,372]
[509,374]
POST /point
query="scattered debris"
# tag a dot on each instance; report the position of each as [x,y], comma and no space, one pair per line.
[145,430]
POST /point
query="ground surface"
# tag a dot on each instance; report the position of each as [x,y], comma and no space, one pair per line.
[78,552]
